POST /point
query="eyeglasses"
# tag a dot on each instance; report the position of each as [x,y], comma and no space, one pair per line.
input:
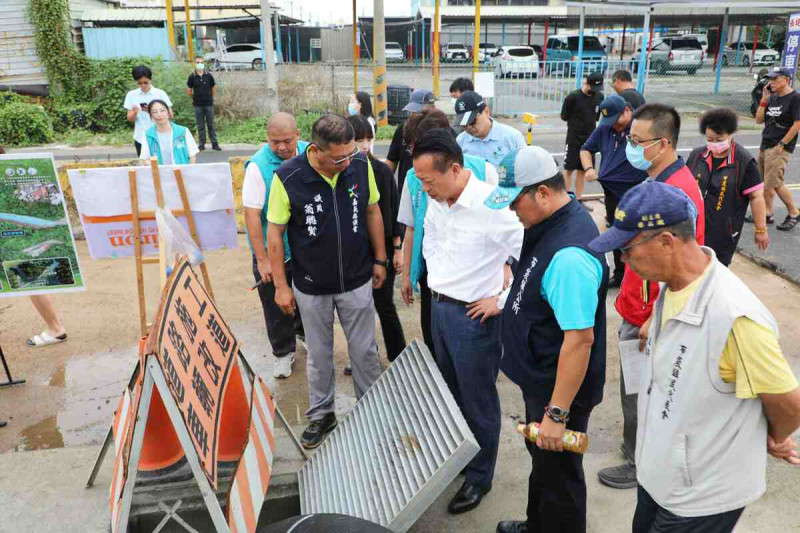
[343,160]
[635,143]
[626,249]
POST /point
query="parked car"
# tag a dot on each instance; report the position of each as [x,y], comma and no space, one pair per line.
[486,52]
[394,53]
[702,38]
[675,54]
[539,51]
[515,61]
[238,56]
[453,52]
[763,56]
[564,49]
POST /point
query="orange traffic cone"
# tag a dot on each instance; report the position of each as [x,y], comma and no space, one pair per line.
[235,418]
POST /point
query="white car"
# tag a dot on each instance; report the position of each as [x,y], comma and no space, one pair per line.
[486,51]
[394,52]
[763,55]
[238,56]
[455,52]
[515,61]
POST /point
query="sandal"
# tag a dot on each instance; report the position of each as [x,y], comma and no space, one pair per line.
[44,339]
[749,219]
[788,223]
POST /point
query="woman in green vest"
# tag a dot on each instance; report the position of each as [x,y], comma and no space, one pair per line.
[170,143]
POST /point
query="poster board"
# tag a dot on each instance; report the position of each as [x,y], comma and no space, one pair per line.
[37,249]
[196,350]
[102,196]
[791,47]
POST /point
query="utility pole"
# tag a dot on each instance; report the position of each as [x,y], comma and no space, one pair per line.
[379,68]
[189,35]
[268,58]
[477,40]
[171,26]
[356,48]
[278,36]
[436,49]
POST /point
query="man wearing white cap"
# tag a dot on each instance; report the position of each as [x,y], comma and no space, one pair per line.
[553,332]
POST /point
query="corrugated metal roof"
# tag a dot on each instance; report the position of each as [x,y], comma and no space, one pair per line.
[497,11]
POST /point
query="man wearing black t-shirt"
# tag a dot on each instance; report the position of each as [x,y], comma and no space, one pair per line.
[399,158]
[622,82]
[580,111]
[779,111]
[202,88]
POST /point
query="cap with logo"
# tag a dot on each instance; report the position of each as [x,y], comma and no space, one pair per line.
[519,169]
[419,100]
[611,108]
[778,71]
[594,79]
[468,106]
[648,206]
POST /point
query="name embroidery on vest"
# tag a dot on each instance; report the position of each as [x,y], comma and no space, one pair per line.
[311,218]
[676,372]
[518,299]
[353,192]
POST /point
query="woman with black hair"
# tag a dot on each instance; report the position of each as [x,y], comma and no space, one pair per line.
[170,143]
[389,202]
[361,104]
[138,100]
[729,180]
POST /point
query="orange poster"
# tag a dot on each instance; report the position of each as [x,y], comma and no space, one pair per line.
[196,349]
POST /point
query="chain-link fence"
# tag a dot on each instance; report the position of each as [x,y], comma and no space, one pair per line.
[536,87]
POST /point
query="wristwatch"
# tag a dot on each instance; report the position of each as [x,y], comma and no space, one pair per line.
[557,414]
[398,247]
[782,144]
[384,264]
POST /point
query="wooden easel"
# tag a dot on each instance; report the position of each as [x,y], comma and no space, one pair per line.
[138,216]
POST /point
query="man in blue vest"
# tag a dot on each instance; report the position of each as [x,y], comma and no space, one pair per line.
[553,332]
[283,144]
[326,201]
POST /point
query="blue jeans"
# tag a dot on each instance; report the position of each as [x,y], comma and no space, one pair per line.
[652,518]
[468,356]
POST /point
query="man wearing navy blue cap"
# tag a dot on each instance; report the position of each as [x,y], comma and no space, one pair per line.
[483,136]
[715,390]
[553,332]
[616,174]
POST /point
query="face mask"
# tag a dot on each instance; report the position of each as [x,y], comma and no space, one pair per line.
[453,101]
[719,147]
[199,66]
[636,157]
[352,109]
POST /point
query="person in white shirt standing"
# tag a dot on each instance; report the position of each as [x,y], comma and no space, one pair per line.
[137,102]
[465,246]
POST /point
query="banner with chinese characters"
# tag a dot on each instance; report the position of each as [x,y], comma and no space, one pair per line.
[37,251]
[791,47]
[196,350]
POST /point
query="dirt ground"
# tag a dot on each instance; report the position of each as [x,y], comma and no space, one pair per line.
[72,388]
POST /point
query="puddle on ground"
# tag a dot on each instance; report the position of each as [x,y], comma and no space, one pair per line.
[42,435]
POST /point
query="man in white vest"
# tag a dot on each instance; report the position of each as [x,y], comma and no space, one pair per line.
[716,394]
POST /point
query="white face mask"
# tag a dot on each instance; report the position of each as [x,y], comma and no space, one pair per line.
[199,66]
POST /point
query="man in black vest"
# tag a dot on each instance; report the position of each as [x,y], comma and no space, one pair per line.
[326,199]
[553,332]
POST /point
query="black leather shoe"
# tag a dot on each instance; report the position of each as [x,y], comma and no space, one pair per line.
[216,147]
[512,526]
[316,431]
[201,147]
[467,498]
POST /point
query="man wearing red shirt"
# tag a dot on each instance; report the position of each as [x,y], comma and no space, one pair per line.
[652,147]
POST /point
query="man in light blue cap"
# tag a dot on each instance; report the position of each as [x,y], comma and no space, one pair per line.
[553,332]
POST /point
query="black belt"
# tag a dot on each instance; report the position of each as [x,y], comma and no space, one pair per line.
[439,297]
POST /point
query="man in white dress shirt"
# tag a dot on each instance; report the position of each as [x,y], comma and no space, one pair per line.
[465,246]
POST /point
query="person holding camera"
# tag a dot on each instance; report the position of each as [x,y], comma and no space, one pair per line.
[137,102]
[779,111]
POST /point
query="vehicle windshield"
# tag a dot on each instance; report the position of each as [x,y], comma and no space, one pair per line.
[590,42]
[520,52]
[393,45]
[759,46]
[488,45]
[682,44]
[456,45]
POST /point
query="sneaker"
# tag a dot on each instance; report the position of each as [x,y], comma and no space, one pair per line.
[348,371]
[201,147]
[283,366]
[316,431]
[618,477]
[788,223]
[216,147]
[302,340]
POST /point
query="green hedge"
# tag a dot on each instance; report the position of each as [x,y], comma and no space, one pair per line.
[24,124]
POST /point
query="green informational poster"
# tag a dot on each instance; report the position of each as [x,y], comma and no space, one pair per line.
[37,251]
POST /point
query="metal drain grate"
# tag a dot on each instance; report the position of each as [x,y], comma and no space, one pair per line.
[395,452]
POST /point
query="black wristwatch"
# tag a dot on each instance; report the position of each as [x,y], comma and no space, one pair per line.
[384,264]
[398,247]
[782,144]
[557,414]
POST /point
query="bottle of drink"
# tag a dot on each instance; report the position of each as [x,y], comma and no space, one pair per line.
[574,441]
